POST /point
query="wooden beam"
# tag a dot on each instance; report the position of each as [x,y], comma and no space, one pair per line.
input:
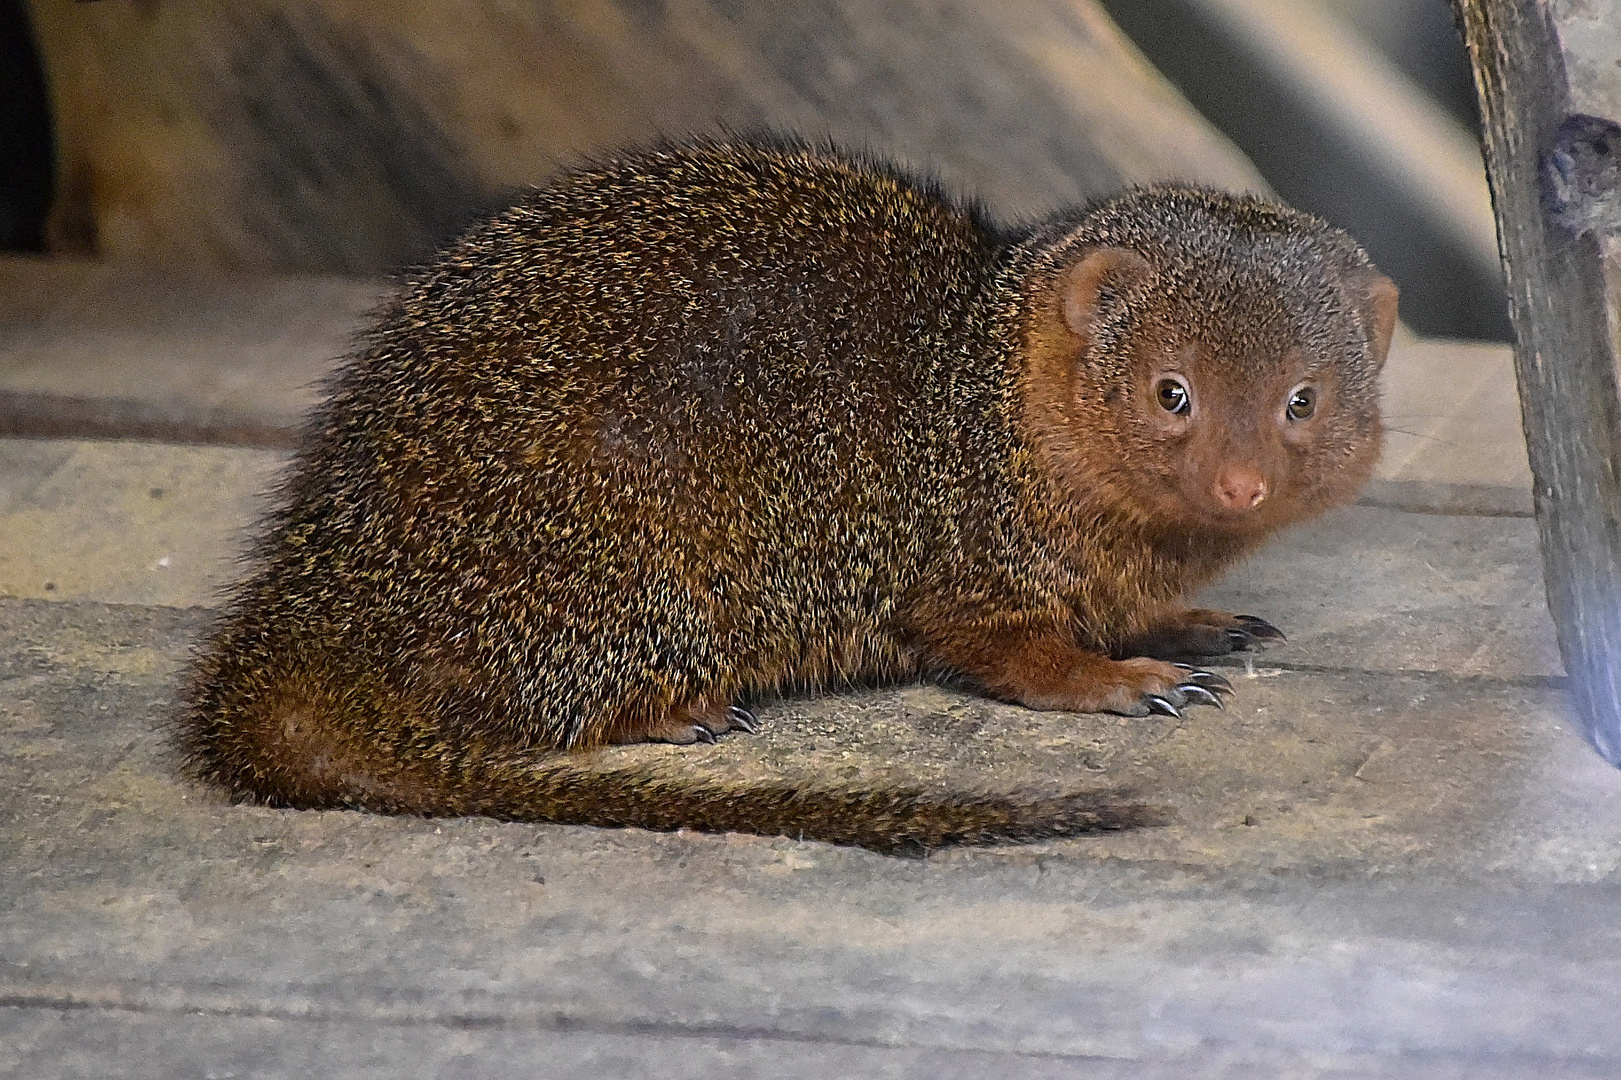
[347,136]
[1550,94]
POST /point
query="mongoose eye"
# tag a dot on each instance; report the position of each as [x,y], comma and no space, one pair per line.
[1302,403]
[1173,396]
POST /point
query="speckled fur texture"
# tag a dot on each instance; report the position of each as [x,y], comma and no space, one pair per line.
[726,420]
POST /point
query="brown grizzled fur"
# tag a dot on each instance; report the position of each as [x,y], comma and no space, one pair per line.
[720,421]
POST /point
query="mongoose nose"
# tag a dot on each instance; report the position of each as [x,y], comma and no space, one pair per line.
[1240,487]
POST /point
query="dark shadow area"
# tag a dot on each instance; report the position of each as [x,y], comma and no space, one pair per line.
[27,152]
[1442,294]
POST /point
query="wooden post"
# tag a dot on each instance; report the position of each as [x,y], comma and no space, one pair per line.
[1550,93]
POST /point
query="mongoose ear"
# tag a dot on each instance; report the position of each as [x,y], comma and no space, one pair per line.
[1099,272]
[1375,298]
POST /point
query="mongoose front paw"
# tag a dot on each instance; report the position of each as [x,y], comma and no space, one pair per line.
[1254,629]
[1201,632]
[1136,687]
[1197,688]
[698,725]
[1204,687]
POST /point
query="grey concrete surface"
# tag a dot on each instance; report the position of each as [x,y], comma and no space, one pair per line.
[1453,440]
[105,349]
[1389,857]
[127,523]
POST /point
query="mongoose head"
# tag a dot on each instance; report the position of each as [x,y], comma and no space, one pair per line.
[1208,361]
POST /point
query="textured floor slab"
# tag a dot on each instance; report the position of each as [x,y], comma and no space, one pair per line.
[1302,768]
[112,349]
[1372,589]
[1390,856]
[1454,441]
[47,1043]
[1356,864]
[129,523]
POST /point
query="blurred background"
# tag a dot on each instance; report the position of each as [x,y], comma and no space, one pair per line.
[1362,111]
[339,137]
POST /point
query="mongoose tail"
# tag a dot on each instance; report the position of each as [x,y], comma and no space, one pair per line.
[893,821]
[559,787]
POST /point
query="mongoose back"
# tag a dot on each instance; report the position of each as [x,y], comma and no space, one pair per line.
[719,421]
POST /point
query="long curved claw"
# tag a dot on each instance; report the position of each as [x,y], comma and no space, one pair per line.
[1240,640]
[1200,696]
[703,734]
[1258,627]
[743,720]
[1157,704]
[1209,680]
